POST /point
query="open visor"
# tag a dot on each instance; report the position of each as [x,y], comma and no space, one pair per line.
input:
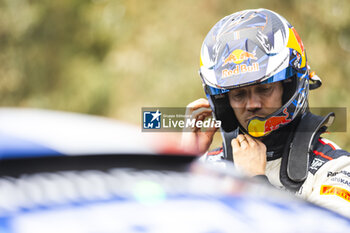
[280,76]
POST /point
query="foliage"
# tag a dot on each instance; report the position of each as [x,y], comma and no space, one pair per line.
[113,57]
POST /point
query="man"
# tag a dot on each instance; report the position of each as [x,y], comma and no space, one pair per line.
[255,74]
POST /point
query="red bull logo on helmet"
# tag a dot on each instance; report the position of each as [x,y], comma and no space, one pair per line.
[238,56]
[240,69]
[259,128]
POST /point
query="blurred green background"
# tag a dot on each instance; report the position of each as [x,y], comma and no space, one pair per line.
[111,58]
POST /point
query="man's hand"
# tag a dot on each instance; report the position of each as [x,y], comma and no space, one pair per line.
[196,140]
[249,155]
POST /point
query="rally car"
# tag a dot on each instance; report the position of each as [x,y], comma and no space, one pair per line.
[69,172]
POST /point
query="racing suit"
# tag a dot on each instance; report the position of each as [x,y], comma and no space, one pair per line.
[328,180]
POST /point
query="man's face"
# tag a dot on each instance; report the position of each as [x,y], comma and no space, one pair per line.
[258,100]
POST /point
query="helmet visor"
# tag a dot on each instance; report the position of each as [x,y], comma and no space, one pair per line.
[280,76]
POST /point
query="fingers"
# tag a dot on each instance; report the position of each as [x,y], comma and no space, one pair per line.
[201,113]
[242,140]
[200,103]
[238,143]
[235,144]
[249,155]
[198,110]
[199,137]
[251,141]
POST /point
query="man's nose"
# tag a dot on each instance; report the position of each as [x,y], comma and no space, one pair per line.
[253,103]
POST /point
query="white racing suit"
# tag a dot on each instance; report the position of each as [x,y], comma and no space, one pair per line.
[328,180]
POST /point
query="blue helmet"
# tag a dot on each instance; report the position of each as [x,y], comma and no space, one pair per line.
[255,47]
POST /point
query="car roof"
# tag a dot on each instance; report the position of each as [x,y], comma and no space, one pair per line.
[28,132]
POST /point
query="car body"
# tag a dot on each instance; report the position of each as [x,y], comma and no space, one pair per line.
[69,172]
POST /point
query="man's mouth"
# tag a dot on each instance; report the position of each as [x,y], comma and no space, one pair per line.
[251,117]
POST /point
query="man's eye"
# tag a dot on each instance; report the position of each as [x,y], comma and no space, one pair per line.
[264,89]
[238,95]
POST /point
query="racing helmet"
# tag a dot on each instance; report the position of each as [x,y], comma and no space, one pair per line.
[255,47]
